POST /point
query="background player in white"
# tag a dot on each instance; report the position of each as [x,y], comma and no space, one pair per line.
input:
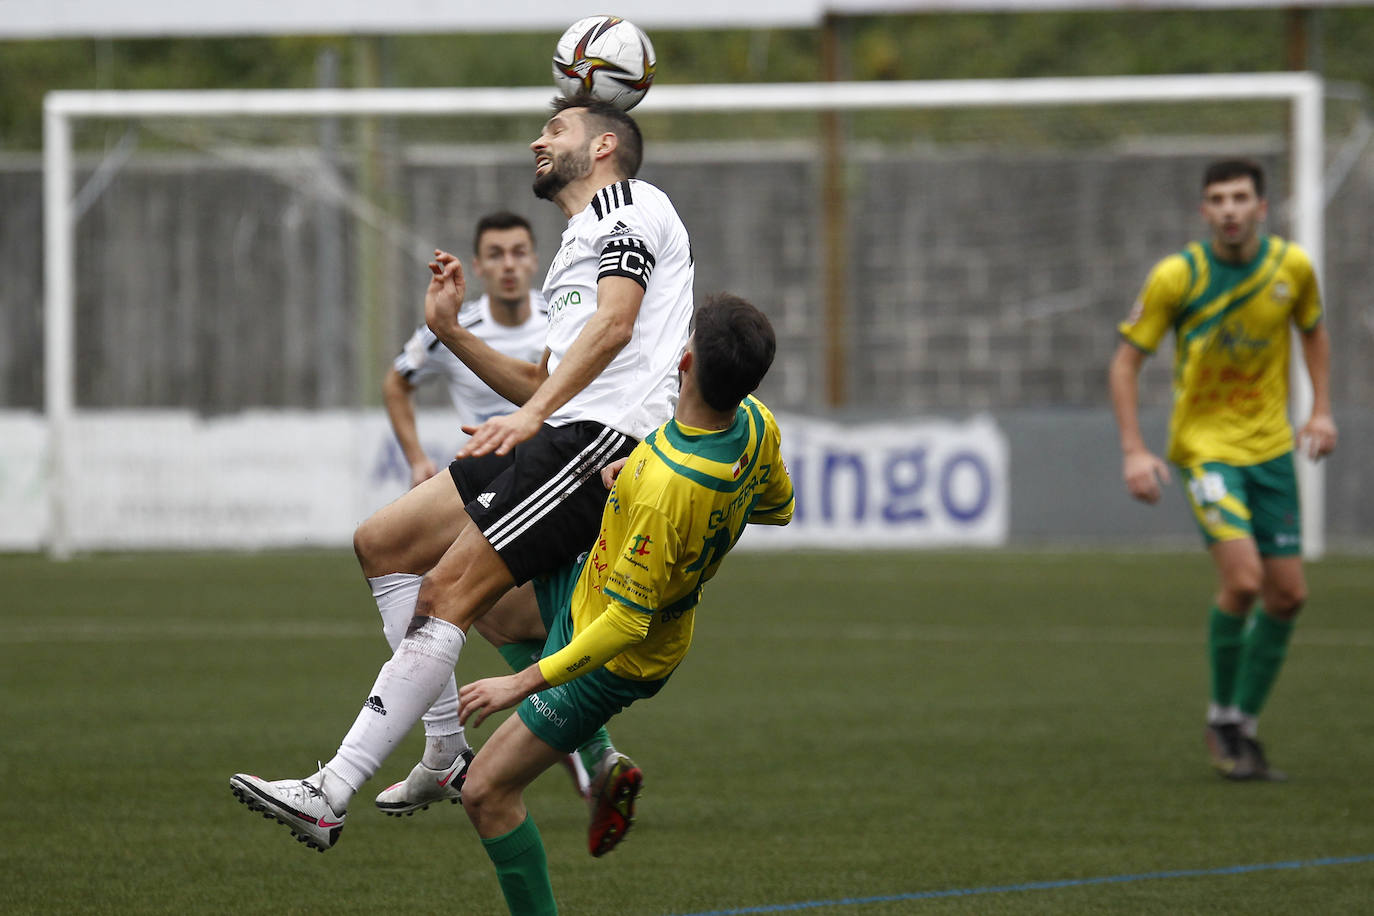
[510,316]
[620,301]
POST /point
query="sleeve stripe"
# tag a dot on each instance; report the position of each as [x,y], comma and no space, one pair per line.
[612,197]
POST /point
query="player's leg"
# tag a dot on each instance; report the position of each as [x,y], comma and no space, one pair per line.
[411,533]
[440,774]
[1277,527]
[494,800]
[1217,497]
[405,688]
[395,546]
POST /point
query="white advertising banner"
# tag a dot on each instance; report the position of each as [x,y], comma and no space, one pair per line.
[23,494]
[170,479]
[894,484]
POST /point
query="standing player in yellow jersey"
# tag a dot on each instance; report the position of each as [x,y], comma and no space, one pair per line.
[1230,304]
[625,610]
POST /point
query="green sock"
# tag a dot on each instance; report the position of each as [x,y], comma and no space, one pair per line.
[1266,644]
[523,870]
[1225,640]
[520,655]
[594,749]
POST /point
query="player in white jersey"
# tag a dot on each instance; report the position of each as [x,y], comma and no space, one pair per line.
[528,494]
[510,316]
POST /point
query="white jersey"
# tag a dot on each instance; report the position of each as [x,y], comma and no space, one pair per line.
[630,229]
[424,357]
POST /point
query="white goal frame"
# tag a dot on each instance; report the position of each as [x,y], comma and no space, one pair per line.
[1303,91]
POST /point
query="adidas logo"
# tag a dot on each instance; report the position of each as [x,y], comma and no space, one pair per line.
[485,499]
[620,229]
[375,704]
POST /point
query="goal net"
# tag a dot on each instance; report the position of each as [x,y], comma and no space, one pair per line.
[229,274]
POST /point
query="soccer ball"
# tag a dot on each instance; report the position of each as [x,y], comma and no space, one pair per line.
[609,57]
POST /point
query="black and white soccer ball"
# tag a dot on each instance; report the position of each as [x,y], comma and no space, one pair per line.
[607,57]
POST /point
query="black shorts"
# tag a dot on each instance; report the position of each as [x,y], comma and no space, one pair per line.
[540,506]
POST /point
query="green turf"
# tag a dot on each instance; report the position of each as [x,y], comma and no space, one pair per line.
[846,726]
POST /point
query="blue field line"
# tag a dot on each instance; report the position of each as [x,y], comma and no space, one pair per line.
[1040,885]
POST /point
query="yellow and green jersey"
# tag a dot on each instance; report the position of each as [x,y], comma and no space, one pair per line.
[677,508]
[1231,347]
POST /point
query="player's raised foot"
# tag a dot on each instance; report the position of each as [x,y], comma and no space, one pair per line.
[1223,746]
[615,786]
[423,787]
[582,783]
[1254,765]
[299,804]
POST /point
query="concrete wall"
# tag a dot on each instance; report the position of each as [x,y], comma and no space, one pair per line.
[977,282]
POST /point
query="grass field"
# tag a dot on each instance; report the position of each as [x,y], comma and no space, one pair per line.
[849,734]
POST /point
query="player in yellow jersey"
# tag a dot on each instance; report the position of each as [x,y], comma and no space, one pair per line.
[1231,303]
[627,608]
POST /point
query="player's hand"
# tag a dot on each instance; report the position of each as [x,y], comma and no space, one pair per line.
[1144,473]
[611,471]
[481,698]
[444,297]
[1317,438]
[421,471]
[499,435]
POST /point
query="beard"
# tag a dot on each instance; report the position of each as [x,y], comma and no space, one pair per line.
[562,172]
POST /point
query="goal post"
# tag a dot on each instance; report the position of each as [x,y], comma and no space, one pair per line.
[1302,92]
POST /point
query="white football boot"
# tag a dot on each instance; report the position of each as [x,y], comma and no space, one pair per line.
[299,804]
[423,787]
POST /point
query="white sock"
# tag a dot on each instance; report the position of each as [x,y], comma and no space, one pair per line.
[1223,715]
[396,594]
[404,689]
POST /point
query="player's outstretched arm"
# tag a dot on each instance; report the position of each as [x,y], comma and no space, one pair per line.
[400,410]
[513,379]
[481,698]
[1317,438]
[603,336]
[1142,470]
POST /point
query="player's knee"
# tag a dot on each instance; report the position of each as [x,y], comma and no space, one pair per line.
[368,547]
[1239,596]
[477,796]
[1284,602]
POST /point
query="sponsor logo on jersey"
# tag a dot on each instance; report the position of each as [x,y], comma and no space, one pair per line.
[640,547]
[620,229]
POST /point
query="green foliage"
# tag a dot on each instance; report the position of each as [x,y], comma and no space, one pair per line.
[845,727]
[939,46]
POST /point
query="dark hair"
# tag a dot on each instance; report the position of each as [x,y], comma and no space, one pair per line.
[501,219]
[733,343]
[606,118]
[1227,169]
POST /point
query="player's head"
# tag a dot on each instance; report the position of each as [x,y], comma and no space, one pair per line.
[582,133]
[1233,204]
[503,256]
[732,346]
[1225,170]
